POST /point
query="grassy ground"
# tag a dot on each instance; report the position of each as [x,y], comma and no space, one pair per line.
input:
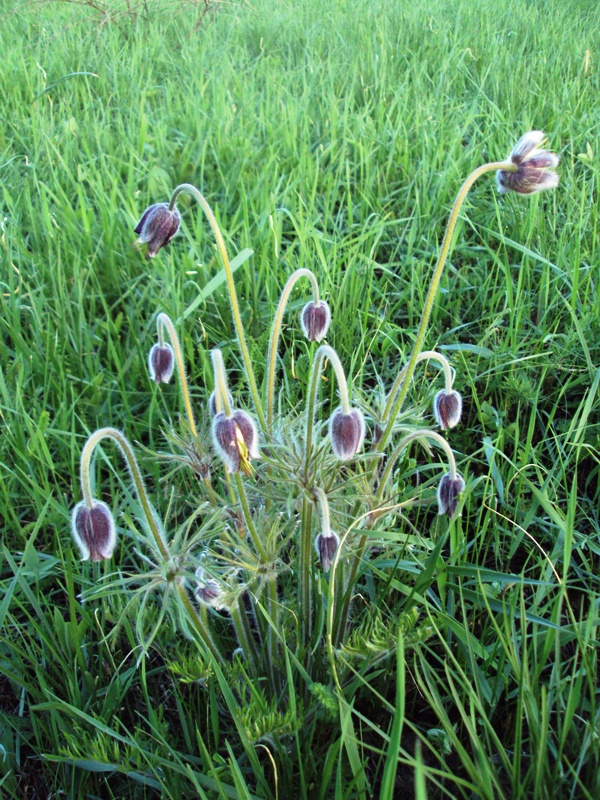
[332,136]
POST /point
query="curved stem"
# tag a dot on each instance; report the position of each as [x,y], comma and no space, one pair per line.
[163,322]
[221,392]
[405,441]
[324,351]
[426,355]
[433,287]
[237,319]
[276,330]
[126,449]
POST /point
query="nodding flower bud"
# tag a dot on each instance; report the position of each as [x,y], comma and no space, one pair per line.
[208,592]
[534,167]
[315,320]
[326,545]
[347,432]
[236,440]
[161,362]
[447,408]
[212,403]
[93,530]
[157,227]
[448,493]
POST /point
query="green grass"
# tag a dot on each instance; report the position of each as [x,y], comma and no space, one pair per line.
[332,136]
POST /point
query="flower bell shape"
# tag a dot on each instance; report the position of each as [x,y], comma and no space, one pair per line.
[236,440]
[157,227]
[326,545]
[347,432]
[448,493]
[93,529]
[315,320]
[447,408]
[161,362]
[534,167]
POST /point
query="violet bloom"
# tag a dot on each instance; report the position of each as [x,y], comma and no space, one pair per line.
[235,439]
[93,530]
[315,320]
[534,167]
[347,432]
[157,227]
[161,362]
[447,408]
[448,493]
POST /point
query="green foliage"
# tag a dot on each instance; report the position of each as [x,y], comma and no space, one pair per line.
[328,136]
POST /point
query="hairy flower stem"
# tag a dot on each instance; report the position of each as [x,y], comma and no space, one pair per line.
[241,492]
[245,637]
[305,599]
[403,444]
[426,355]
[276,330]
[221,392]
[237,319]
[126,449]
[197,622]
[164,323]
[433,287]
[324,351]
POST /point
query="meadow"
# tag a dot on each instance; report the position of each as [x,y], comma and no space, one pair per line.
[330,137]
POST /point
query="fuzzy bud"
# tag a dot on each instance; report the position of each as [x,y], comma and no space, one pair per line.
[315,320]
[157,227]
[161,362]
[347,432]
[447,408]
[534,167]
[448,493]
[236,440]
[93,530]
[326,546]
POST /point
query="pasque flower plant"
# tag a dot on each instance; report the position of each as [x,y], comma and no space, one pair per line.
[275,485]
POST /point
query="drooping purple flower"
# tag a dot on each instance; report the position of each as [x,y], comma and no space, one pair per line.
[161,362]
[326,545]
[315,320]
[448,493]
[535,167]
[93,529]
[347,432]
[447,408]
[157,227]
[236,440]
